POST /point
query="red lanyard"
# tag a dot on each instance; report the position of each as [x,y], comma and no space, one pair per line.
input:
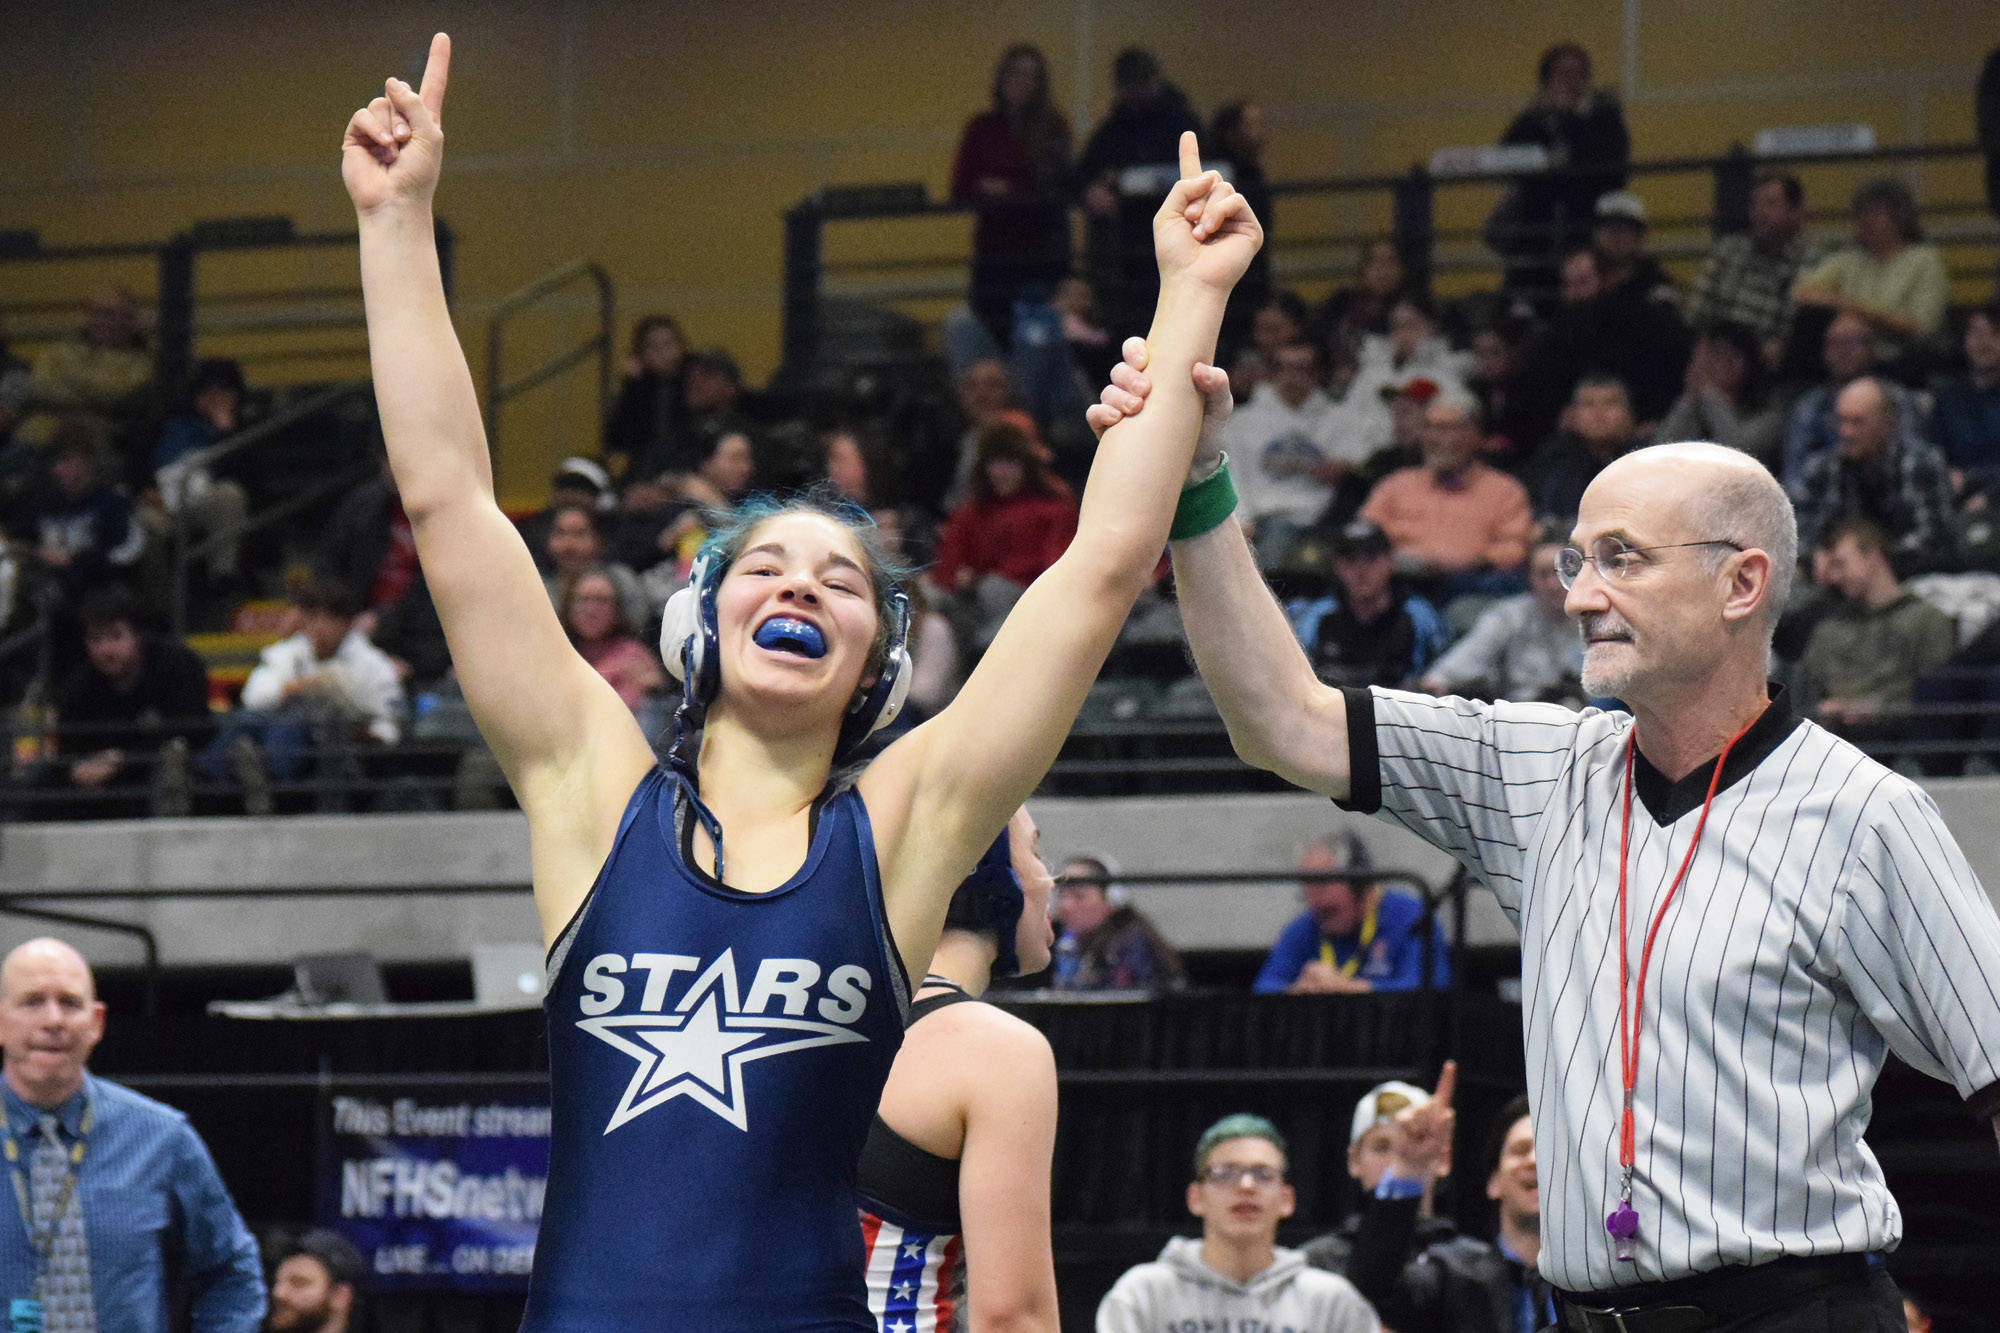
[1628,1029]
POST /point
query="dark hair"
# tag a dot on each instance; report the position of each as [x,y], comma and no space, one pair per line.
[1549,533]
[647,323]
[1988,311]
[1294,306]
[110,605]
[330,1250]
[1134,68]
[1795,193]
[1896,197]
[730,532]
[1546,66]
[621,625]
[717,360]
[80,433]
[1742,339]
[327,595]
[1006,439]
[1863,532]
[1598,379]
[1018,51]
[1222,130]
[217,373]
[1496,1135]
[589,512]
[1589,252]
[1100,877]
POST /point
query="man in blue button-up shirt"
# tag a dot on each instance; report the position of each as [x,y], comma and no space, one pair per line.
[145,1187]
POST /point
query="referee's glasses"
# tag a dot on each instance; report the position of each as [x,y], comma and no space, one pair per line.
[1616,561]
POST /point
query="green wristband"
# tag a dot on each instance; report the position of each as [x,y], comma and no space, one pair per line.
[1204,505]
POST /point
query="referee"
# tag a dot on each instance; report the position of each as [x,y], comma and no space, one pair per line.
[1728,916]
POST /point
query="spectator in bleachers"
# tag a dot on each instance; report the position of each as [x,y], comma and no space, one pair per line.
[1356,311]
[1013,166]
[1965,412]
[647,415]
[1459,1284]
[584,482]
[369,546]
[135,1215]
[936,669]
[1371,1144]
[1103,942]
[209,506]
[936,478]
[1619,238]
[1748,276]
[1130,161]
[1728,399]
[1583,129]
[1292,446]
[575,546]
[1597,428]
[321,693]
[104,372]
[1352,937]
[711,407]
[1238,136]
[1870,648]
[1018,517]
[1524,649]
[1406,406]
[316,1284]
[1519,407]
[1847,351]
[1457,524]
[1372,628]
[1626,333]
[1235,1276]
[846,466]
[1279,320]
[1411,349]
[1884,472]
[602,635]
[134,693]
[78,525]
[1889,276]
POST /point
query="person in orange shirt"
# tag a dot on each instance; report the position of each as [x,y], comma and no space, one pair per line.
[1454,522]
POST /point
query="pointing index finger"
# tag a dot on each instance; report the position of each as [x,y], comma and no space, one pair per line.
[437,72]
[1447,1084]
[1190,156]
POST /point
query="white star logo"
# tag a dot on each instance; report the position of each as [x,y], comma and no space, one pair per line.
[905,1290]
[912,1250]
[701,1054]
[901,1326]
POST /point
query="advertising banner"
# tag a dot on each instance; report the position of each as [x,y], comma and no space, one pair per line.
[440,1188]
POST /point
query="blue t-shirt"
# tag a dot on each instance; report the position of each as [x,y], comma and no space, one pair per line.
[1395,957]
[715,1059]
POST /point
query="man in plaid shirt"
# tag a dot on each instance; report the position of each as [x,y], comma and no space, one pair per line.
[1884,472]
[1748,277]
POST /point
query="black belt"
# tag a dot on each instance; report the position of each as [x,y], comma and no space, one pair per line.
[1691,1304]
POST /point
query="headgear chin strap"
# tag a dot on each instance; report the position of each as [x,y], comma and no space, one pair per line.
[990,899]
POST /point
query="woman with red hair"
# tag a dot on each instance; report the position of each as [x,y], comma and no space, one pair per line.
[1016,521]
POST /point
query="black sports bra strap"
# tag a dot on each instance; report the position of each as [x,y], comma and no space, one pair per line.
[929,1004]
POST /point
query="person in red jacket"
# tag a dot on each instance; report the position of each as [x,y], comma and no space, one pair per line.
[1013,165]
[1016,521]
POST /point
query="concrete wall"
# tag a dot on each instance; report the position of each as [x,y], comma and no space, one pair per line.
[1195,833]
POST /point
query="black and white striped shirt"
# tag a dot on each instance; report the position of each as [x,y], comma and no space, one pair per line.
[1827,918]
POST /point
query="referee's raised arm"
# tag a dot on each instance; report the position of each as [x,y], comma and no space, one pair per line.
[1280,716]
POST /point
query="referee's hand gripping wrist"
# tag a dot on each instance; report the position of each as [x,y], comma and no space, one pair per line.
[1125,396]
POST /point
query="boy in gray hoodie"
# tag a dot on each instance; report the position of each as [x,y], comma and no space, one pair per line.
[1235,1279]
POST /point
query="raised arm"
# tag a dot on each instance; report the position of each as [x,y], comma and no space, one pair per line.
[569,748]
[1280,716]
[953,782]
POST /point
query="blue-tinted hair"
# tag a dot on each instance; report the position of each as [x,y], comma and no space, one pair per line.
[730,531]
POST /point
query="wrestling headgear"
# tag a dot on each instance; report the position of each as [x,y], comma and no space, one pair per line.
[990,899]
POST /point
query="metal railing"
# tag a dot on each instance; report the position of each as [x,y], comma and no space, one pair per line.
[181,312]
[500,391]
[1428,248]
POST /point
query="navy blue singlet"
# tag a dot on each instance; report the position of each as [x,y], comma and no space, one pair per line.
[715,1059]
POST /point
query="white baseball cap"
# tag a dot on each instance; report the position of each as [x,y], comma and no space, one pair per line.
[1381,1104]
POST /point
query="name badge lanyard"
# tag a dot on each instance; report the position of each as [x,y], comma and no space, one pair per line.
[1623,1223]
[43,1239]
[1353,965]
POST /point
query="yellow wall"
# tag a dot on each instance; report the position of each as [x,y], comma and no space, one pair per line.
[665,140]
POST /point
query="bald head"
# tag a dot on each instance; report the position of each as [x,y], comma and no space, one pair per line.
[1861,417]
[50,1021]
[42,956]
[1721,495]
